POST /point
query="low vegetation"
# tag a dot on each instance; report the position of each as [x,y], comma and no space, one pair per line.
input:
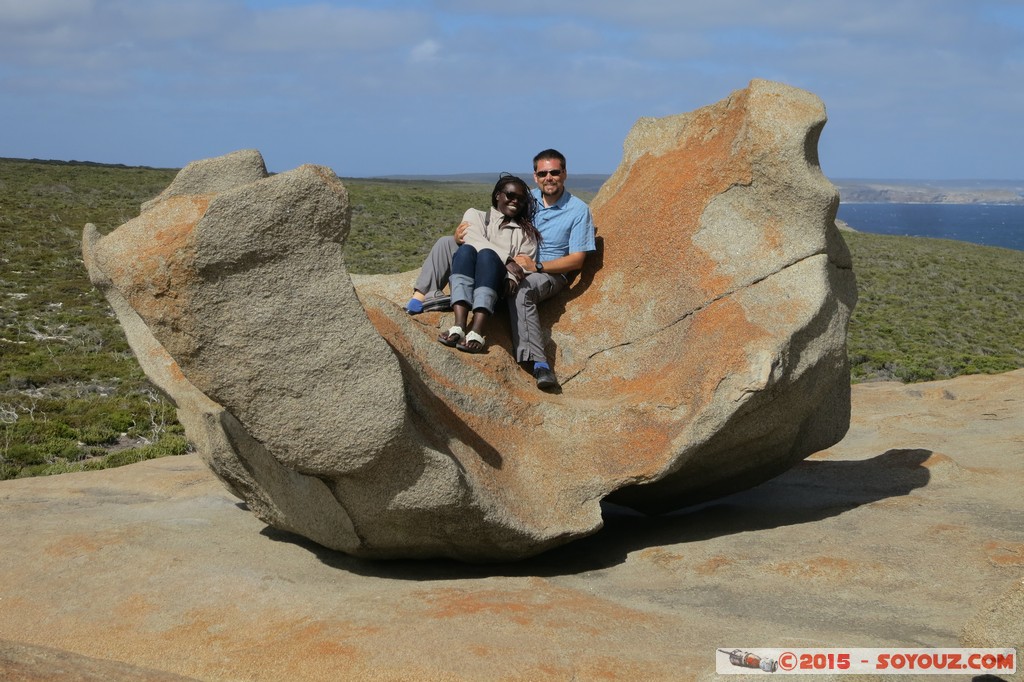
[934,308]
[394,223]
[72,396]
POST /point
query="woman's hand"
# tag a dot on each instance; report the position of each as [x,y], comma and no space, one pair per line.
[460,233]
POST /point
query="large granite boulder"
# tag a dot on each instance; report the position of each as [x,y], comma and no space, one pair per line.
[701,351]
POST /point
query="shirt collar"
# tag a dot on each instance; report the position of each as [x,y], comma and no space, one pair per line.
[562,200]
[497,217]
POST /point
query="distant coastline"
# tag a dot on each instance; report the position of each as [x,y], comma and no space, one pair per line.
[851,191]
[930,192]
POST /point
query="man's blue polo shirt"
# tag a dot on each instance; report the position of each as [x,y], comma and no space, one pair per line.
[566,227]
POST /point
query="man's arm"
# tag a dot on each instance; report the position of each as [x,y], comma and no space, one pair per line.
[570,263]
[581,236]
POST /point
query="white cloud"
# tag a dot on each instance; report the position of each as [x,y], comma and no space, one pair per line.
[208,25]
[309,28]
[427,51]
[22,14]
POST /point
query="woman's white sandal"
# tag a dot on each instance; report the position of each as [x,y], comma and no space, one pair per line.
[472,338]
[452,337]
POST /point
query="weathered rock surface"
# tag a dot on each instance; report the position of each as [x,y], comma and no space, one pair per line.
[702,351]
[25,663]
[899,536]
[1000,622]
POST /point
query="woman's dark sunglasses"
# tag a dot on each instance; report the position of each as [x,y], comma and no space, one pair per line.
[543,174]
[512,196]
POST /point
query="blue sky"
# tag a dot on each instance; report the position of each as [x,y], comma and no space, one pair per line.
[914,89]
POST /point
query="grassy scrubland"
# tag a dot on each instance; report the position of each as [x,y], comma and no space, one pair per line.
[73,398]
[394,223]
[69,385]
[934,308]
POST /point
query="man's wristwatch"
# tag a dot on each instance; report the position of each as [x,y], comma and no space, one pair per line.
[540,267]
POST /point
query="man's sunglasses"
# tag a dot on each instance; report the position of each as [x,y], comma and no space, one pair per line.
[544,173]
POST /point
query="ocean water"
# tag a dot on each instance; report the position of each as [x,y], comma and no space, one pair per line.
[986,224]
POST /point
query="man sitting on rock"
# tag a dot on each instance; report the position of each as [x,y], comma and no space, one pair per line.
[567,235]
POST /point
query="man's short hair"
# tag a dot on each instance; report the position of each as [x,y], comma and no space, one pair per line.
[549,155]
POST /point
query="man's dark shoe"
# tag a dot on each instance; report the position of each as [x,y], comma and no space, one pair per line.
[545,378]
[437,300]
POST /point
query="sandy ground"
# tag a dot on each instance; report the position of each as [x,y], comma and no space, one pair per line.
[895,537]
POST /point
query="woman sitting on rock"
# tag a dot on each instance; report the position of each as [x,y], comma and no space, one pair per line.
[479,274]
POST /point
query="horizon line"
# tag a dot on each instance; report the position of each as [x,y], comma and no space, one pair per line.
[401,175]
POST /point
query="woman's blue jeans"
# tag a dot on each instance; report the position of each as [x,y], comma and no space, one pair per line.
[477,277]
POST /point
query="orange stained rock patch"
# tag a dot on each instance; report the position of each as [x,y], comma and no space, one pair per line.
[388,330]
[938,459]
[166,228]
[713,565]
[661,557]
[481,650]
[82,544]
[622,445]
[229,643]
[816,567]
[321,639]
[520,395]
[585,665]
[624,437]
[516,607]
[943,528]
[538,604]
[496,361]
[156,277]
[703,169]
[158,355]
[657,373]
[773,235]
[1004,553]
[722,330]
[403,346]
[132,610]
[613,668]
